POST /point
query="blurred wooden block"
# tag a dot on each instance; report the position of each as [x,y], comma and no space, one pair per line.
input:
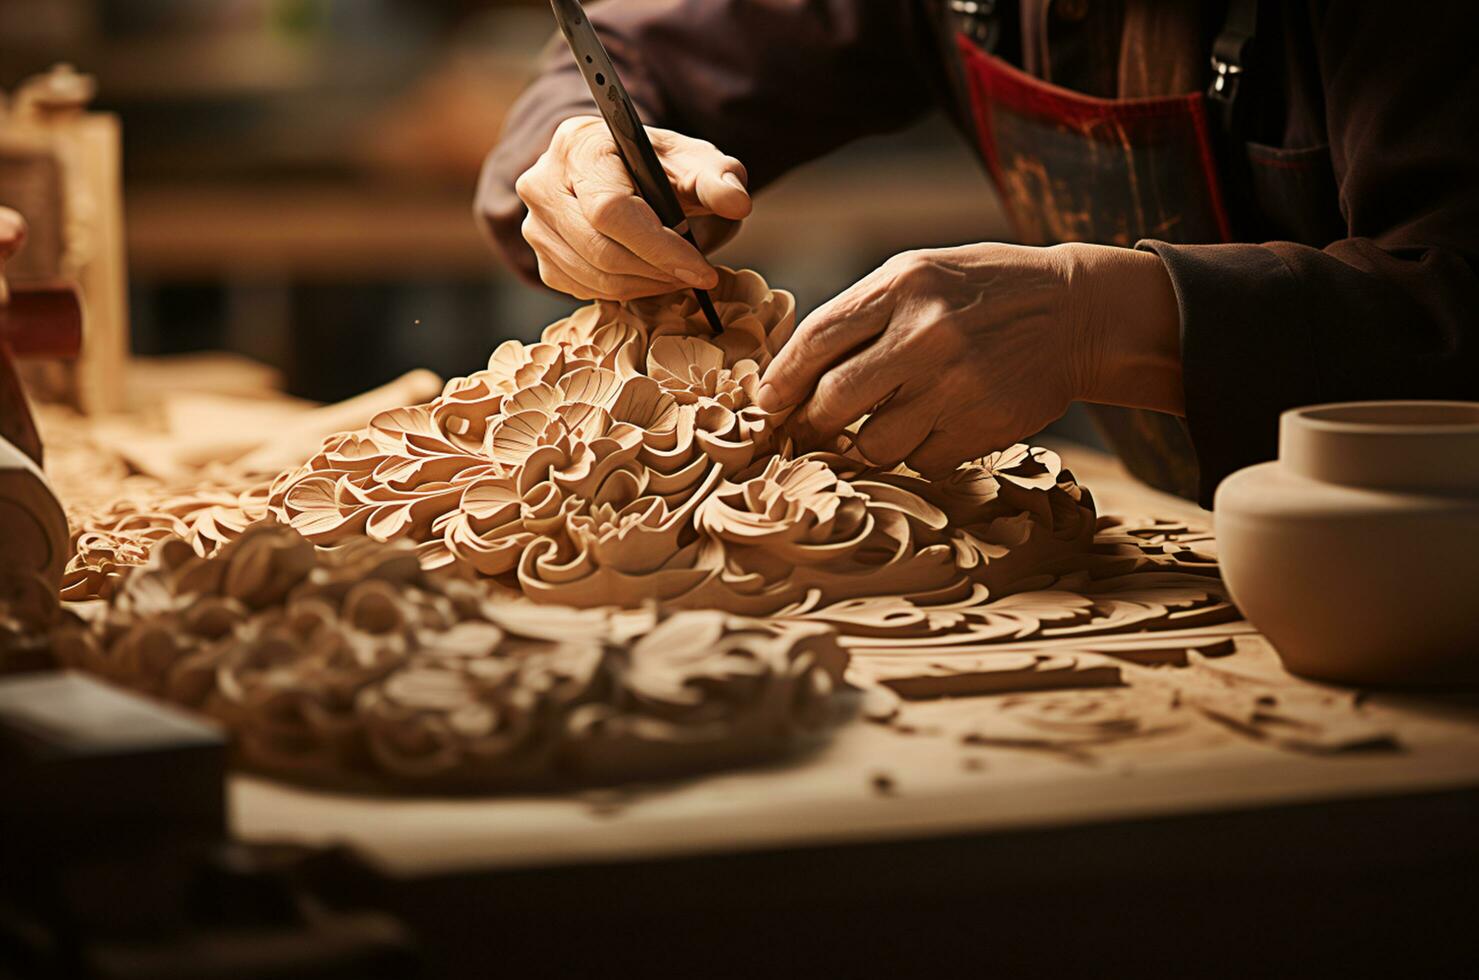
[86,764]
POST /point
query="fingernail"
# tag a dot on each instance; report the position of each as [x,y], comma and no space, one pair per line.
[734,181]
[689,276]
[767,398]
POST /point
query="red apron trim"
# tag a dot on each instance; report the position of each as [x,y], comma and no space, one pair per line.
[1209,167]
[994,81]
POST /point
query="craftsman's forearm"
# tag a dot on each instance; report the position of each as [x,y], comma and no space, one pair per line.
[1129,328]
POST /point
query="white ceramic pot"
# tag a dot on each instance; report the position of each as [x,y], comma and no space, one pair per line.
[1357,551]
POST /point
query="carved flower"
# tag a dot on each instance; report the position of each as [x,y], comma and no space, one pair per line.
[693,371]
[514,365]
[800,523]
[615,335]
[495,521]
[749,309]
[637,539]
[797,510]
[1011,512]
[623,556]
[105,544]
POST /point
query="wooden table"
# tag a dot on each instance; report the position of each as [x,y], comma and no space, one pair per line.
[883,850]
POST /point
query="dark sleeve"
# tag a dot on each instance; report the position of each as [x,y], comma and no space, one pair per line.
[1392,310]
[772,82]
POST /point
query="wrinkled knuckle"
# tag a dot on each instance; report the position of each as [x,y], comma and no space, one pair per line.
[899,261]
[911,268]
[915,337]
[568,128]
[829,401]
[529,228]
[703,147]
[604,211]
[875,448]
[812,340]
[918,265]
[946,343]
[526,183]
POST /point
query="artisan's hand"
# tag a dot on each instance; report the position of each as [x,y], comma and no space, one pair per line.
[593,234]
[958,352]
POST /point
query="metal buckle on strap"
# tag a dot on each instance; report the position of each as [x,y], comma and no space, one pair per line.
[1230,52]
[1225,78]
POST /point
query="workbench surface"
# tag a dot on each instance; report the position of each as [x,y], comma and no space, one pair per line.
[937,775]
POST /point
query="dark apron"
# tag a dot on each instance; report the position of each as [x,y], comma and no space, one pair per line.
[1074,168]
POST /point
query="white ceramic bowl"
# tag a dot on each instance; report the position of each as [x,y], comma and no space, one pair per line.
[1357,551]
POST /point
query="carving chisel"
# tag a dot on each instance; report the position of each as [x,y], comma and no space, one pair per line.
[626,129]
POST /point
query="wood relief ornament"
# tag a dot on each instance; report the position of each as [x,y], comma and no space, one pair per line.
[355,664]
[620,459]
[109,541]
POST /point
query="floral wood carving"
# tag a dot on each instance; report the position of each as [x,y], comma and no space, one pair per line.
[109,541]
[620,460]
[356,665]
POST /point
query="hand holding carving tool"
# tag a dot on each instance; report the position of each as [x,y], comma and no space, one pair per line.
[626,129]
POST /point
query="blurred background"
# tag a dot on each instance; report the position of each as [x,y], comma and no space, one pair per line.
[299,176]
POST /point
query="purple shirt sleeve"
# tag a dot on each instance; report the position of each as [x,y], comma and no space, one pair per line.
[1391,310]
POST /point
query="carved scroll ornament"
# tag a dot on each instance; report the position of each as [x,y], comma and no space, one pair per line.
[621,459]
